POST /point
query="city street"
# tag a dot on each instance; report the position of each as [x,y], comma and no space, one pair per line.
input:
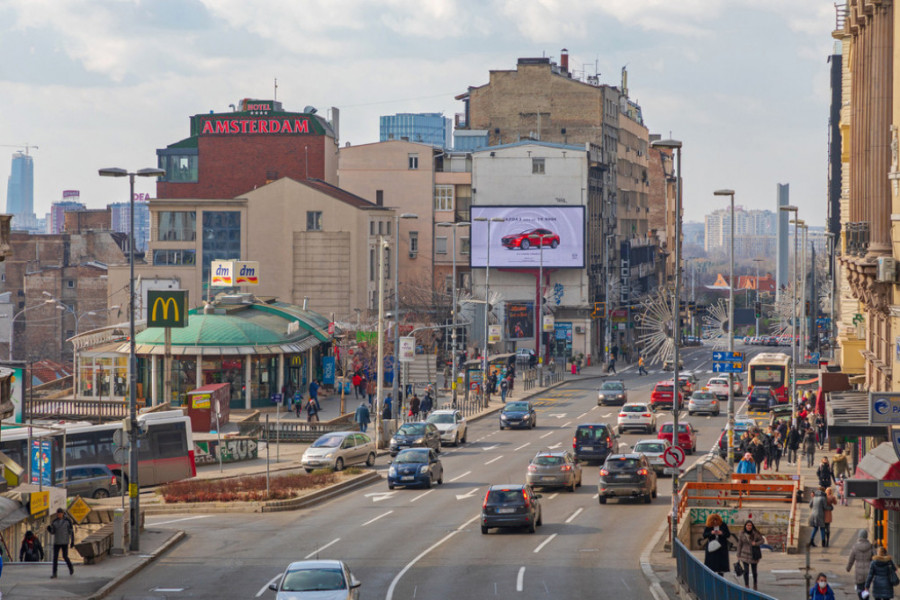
[415,543]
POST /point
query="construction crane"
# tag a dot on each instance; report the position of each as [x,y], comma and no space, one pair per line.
[26,146]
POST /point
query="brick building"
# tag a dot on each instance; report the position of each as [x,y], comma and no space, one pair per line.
[95,219]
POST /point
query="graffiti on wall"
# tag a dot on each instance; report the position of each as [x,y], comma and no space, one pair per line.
[737,516]
[232,450]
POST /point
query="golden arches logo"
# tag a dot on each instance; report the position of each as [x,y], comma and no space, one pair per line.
[165,308]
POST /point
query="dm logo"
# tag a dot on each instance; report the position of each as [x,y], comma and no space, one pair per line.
[882,406]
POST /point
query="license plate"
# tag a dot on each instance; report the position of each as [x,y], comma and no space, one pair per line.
[547,477]
[635,417]
[588,448]
[407,478]
[505,511]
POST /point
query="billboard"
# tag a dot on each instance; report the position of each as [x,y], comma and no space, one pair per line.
[519,320]
[528,236]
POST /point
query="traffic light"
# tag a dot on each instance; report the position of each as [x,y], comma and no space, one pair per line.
[757,309]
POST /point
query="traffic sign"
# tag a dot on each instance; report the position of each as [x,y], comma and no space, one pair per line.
[719,355]
[671,471]
[276,398]
[79,509]
[728,367]
[673,457]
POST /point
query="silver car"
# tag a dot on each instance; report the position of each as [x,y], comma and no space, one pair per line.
[653,450]
[703,402]
[554,469]
[451,424]
[339,449]
[317,580]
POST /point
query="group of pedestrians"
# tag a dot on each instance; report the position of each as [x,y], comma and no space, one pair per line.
[749,545]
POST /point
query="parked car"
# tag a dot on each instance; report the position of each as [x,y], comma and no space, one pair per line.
[316,580]
[627,475]
[339,449]
[511,506]
[761,399]
[661,396]
[692,340]
[593,442]
[554,469]
[703,402]
[529,238]
[416,466]
[416,434]
[653,450]
[518,414]
[451,424]
[92,481]
[687,436]
[669,364]
[636,415]
[612,391]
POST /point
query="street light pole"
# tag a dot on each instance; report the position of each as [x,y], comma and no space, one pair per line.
[757,261]
[793,209]
[379,371]
[539,317]
[804,323]
[485,361]
[133,482]
[730,194]
[454,305]
[395,384]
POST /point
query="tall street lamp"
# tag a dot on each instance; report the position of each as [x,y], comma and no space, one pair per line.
[757,261]
[730,194]
[133,483]
[395,384]
[539,316]
[379,373]
[676,326]
[454,305]
[487,294]
[832,332]
[793,209]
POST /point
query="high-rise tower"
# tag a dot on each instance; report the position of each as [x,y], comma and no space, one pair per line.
[20,191]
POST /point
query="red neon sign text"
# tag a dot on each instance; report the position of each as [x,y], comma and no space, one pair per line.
[238,126]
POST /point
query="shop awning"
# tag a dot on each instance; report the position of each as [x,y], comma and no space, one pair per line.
[882,464]
[848,414]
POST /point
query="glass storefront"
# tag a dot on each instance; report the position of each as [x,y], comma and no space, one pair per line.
[226,370]
[103,376]
[264,379]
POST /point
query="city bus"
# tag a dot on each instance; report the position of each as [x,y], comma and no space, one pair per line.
[165,447]
[771,369]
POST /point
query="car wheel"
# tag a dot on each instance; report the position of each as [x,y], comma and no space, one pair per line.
[573,486]
[502,428]
[456,439]
[690,414]
[339,464]
[438,449]
[441,480]
[647,499]
[463,440]
[101,493]
[370,461]
[580,477]
[428,483]
[602,499]
[484,530]
[620,429]
[540,519]
[531,527]
[554,244]
[390,486]
[309,470]
[654,493]
[525,245]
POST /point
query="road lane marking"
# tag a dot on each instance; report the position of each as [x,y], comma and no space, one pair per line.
[555,446]
[379,496]
[606,416]
[494,447]
[423,554]
[553,496]
[420,495]
[266,587]
[522,446]
[179,520]
[544,543]
[595,496]
[575,514]
[627,587]
[581,416]
[548,433]
[320,548]
[520,580]
[370,521]
[494,460]
[461,476]
[566,424]
[468,495]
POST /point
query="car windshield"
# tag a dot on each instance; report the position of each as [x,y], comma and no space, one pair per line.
[758,391]
[412,456]
[515,406]
[313,580]
[623,464]
[649,447]
[718,382]
[613,385]
[634,408]
[441,418]
[548,460]
[667,428]
[505,496]
[702,396]
[591,433]
[411,429]
[663,388]
[328,441]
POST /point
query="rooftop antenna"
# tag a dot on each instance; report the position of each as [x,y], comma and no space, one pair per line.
[276,90]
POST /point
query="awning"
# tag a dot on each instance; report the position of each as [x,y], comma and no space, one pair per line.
[847,413]
[881,464]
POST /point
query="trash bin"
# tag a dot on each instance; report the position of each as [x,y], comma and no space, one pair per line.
[574,369]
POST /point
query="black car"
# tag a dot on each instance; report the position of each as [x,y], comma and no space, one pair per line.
[761,399]
[511,506]
[627,476]
[593,442]
[417,434]
[518,414]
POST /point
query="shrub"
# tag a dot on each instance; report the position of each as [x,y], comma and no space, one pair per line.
[244,489]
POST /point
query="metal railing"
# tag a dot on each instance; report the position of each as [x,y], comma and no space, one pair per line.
[706,585]
[100,410]
[840,15]
[857,238]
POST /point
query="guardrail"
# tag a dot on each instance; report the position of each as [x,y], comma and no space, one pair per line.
[730,493]
[99,410]
[705,584]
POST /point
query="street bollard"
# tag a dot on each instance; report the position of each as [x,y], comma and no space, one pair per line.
[118,547]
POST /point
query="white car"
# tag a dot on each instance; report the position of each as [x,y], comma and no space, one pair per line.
[316,580]
[719,386]
[451,424]
[653,450]
[636,416]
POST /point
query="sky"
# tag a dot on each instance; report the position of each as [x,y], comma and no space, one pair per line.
[744,84]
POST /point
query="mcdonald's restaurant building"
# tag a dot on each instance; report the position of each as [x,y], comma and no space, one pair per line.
[260,347]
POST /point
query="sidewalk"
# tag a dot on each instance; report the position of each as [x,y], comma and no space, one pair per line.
[783,575]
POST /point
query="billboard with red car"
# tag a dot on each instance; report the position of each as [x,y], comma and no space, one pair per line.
[528,236]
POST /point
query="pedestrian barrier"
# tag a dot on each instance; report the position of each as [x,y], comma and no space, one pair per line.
[706,585]
[99,410]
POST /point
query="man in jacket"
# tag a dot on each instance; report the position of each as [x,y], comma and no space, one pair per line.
[63,537]
[362,416]
[860,556]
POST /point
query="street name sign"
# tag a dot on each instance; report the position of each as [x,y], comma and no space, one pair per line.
[719,355]
[728,367]
[884,408]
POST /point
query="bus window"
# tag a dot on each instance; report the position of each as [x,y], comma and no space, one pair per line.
[105,448]
[169,441]
[79,450]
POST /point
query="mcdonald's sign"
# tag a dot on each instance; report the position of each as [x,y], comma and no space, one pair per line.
[167,308]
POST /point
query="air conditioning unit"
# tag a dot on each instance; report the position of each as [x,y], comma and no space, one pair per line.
[579,329]
[413,254]
[887,269]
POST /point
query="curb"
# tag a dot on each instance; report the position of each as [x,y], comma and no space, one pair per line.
[656,588]
[123,577]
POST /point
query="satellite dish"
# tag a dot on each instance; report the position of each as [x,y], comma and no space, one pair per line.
[310,109]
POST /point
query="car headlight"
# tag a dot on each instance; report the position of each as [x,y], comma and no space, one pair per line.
[419,441]
[329,455]
[601,395]
[526,417]
[392,471]
[423,469]
[503,417]
[621,396]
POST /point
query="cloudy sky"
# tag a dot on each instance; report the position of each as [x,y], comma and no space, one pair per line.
[97,83]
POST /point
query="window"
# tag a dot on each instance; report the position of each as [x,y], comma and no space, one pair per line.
[440,245]
[314,220]
[221,238]
[181,168]
[413,161]
[413,244]
[70,283]
[380,227]
[464,245]
[175,257]
[372,265]
[537,166]
[177,226]
[371,227]
[379,197]
[443,197]
[387,227]
[387,264]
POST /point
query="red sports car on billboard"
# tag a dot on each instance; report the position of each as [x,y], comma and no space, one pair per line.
[530,238]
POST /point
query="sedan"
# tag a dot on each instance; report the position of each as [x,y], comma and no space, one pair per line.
[451,424]
[518,414]
[653,450]
[317,579]
[339,449]
[416,466]
[687,436]
[530,238]
[417,434]
[703,402]
[612,391]
[554,469]
[761,399]
[636,416]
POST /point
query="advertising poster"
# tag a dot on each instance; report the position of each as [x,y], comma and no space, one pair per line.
[407,349]
[493,334]
[519,320]
[41,462]
[17,392]
[528,236]
[328,370]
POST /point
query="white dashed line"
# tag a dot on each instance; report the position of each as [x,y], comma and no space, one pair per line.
[548,433]
[566,424]
[461,476]
[494,460]
[544,543]
[553,496]
[520,580]
[581,416]
[595,496]
[421,495]
[522,446]
[320,548]
[575,514]
[370,521]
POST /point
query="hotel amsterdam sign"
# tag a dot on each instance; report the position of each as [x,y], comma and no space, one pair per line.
[167,308]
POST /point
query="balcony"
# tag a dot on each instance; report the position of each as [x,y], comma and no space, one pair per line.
[463,208]
[840,19]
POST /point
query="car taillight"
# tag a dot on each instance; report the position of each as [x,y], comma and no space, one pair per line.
[532,468]
[604,472]
[527,500]
[622,415]
[646,415]
[609,442]
[566,468]
[642,472]
[574,443]
[113,481]
[484,504]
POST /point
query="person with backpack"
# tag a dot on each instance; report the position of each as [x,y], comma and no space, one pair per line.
[63,537]
[31,549]
[298,403]
[882,576]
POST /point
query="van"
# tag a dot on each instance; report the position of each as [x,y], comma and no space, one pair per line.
[594,442]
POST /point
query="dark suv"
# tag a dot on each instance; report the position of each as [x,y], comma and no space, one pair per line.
[510,506]
[627,475]
[761,399]
[519,414]
[593,442]
[416,434]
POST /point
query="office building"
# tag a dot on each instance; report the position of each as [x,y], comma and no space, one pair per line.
[71,200]
[433,129]
[121,220]
[20,192]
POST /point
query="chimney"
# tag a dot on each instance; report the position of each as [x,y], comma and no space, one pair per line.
[564,60]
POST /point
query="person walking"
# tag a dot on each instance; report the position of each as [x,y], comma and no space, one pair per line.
[314,393]
[415,405]
[357,385]
[504,389]
[298,403]
[860,557]
[427,403]
[821,590]
[758,451]
[747,464]
[839,464]
[615,352]
[63,537]
[312,411]
[641,369]
[362,416]
[830,502]
[388,403]
[611,367]
[817,517]
[386,412]
[749,551]
[775,456]
[372,388]
[716,535]
[825,474]
[31,549]
[809,447]
[882,576]
[821,431]
[793,444]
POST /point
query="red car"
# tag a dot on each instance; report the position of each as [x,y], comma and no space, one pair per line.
[661,396]
[530,238]
[687,435]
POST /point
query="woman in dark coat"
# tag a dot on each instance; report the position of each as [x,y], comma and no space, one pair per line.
[717,560]
[748,549]
[880,576]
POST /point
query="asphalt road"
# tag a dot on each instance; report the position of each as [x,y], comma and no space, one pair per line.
[414,543]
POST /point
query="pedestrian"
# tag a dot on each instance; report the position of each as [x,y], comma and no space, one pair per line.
[357,385]
[809,447]
[388,406]
[821,590]
[372,388]
[641,369]
[504,389]
[882,576]
[362,416]
[821,431]
[793,444]
[749,551]
[427,403]
[817,517]
[611,367]
[839,464]
[63,537]
[861,556]
[298,403]
[758,451]
[747,464]
[830,502]
[776,445]
[314,393]
[615,352]
[716,550]
[31,549]
[312,411]
[415,406]
[386,412]
[825,474]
